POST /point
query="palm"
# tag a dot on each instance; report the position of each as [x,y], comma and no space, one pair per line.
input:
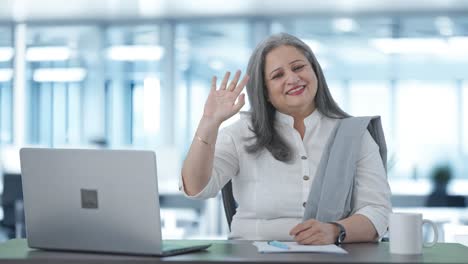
[221,103]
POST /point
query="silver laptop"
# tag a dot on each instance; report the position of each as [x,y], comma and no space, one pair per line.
[94,200]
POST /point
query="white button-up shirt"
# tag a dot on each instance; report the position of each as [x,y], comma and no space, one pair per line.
[271,195]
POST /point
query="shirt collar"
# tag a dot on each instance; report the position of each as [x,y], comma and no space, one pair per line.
[309,121]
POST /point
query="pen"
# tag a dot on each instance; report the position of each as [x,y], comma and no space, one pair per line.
[278,244]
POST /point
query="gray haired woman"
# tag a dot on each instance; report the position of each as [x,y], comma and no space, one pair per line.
[274,152]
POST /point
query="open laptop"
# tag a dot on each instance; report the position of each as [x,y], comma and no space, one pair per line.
[94,200]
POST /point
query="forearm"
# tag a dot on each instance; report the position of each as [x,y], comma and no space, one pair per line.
[358,229]
[198,165]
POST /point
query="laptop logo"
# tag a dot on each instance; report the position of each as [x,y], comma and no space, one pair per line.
[89,199]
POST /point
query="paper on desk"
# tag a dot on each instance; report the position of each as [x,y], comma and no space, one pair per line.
[263,247]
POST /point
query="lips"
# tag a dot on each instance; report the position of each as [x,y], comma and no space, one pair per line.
[295,90]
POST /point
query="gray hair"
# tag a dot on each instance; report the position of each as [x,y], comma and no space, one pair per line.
[263,112]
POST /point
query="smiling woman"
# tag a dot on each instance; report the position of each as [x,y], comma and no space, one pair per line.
[291,82]
[282,156]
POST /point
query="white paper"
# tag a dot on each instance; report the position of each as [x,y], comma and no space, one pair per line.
[263,247]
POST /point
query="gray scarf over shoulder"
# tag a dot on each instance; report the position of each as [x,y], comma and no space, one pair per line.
[332,189]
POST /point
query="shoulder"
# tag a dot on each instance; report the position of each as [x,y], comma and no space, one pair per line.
[358,127]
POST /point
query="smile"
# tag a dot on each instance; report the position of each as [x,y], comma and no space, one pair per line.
[296,91]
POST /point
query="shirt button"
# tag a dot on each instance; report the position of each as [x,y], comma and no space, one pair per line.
[306,178]
[304,157]
[304,204]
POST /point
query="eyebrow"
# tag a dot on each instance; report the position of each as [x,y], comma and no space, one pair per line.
[280,67]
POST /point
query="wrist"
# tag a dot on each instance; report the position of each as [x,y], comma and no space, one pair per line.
[207,130]
[211,121]
[339,232]
[336,231]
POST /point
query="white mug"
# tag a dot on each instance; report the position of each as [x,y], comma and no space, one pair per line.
[406,233]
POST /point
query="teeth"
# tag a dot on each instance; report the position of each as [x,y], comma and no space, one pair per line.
[295,90]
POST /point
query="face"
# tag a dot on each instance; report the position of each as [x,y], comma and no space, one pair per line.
[290,80]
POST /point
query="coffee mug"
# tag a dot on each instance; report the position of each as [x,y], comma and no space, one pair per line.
[406,233]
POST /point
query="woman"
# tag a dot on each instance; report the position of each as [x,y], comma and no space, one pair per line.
[272,154]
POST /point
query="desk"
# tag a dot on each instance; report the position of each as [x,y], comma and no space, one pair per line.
[16,251]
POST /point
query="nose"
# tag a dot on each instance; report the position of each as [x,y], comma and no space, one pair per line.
[293,78]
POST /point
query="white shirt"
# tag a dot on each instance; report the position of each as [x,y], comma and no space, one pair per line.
[271,194]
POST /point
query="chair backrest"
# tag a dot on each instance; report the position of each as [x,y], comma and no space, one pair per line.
[230,205]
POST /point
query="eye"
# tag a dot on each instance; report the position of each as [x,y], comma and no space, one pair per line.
[276,76]
[298,67]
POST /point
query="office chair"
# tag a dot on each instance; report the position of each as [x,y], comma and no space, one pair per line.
[12,203]
[230,205]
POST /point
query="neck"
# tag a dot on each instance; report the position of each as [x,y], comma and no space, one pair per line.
[299,125]
[301,114]
[299,120]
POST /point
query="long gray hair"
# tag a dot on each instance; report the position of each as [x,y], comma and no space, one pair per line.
[263,112]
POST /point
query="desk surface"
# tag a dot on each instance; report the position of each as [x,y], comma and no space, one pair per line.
[241,252]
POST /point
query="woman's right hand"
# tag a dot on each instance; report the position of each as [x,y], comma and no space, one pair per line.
[221,103]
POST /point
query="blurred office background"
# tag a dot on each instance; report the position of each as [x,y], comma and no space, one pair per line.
[135,74]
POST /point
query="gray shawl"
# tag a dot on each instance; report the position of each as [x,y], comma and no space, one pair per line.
[332,189]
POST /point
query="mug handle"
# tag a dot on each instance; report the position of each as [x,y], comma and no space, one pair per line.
[436,233]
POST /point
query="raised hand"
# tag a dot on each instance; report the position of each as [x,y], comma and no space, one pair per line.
[221,103]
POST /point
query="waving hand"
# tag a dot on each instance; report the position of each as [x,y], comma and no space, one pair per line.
[221,103]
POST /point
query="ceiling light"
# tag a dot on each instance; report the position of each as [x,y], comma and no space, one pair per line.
[48,53]
[59,75]
[6,53]
[216,65]
[345,25]
[410,45]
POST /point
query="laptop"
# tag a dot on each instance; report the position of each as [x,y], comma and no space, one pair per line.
[95,200]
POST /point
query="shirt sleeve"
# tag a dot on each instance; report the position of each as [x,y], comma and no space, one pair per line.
[225,166]
[371,189]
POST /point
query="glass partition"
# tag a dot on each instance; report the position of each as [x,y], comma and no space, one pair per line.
[6,84]
[61,76]
[406,69]
[203,50]
[135,86]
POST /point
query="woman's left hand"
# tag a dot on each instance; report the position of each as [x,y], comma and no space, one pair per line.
[313,232]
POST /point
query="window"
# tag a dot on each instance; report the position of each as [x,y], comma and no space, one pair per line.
[204,50]
[369,99]
[338,92]
[6,84]
[61,75]
[465,120]
[426,127]
[136,84]
[146,119]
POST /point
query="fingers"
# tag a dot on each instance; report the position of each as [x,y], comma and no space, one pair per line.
[242,84]
[234,81]
[317,239]
[233,86]
[225,80]
[213,83]
[302,226]
[240,103]
[313,233]
[308,235]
